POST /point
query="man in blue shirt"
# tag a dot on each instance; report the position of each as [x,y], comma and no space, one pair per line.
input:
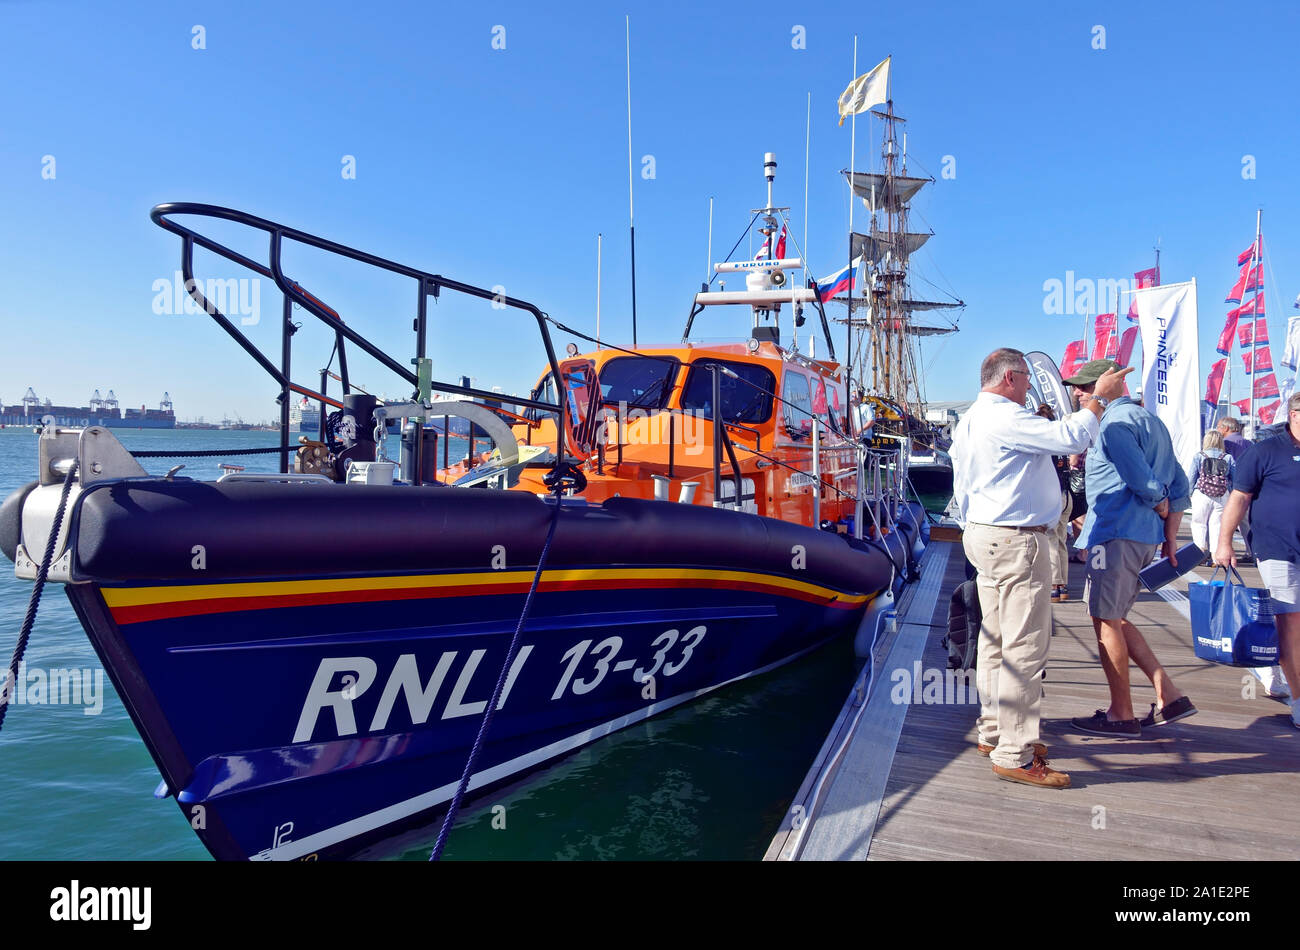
[1233,441]
[1136,495]
[1266,482]
[1236,445]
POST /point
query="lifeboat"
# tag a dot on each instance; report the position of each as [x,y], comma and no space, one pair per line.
[310,654]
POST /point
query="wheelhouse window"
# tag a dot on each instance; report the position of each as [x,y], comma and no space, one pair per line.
[747,399]
[642,382]
[826,404]
[795,411]
[545,392]
[579,383]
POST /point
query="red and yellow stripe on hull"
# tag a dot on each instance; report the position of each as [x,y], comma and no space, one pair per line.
[138,604]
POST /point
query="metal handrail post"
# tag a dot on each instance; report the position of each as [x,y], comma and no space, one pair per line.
[861,485]
[816,471]
[717,440]
[286,348]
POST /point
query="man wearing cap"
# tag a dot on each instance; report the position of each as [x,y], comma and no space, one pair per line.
[1008,500]
[1136,495]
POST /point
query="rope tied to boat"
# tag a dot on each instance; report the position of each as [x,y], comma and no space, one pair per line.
[11,677]
[206,453]
[558,479]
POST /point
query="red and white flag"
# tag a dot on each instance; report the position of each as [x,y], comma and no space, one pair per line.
[780,244]
[1143,278]
[1075,353]
[1247,254]
[1250,279]
[1260,359]
[1253,333]
[1106,343]
[1126,342]
[1225,337]
[1256,281]
[1215,381]
[1266,387]
[1253,306]
[765,249]
[1268,412]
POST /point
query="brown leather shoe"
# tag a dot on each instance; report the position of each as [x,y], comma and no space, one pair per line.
[1040,750]
[1036,773]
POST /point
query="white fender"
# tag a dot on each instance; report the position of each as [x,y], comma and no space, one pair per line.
[879,612]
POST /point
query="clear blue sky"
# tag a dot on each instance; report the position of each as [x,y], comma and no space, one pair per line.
[500,166]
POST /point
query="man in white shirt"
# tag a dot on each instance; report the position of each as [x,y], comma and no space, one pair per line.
[1008,497]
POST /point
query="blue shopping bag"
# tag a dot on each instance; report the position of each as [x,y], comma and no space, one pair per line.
[1232,624]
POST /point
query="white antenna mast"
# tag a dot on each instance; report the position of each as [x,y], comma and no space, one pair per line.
[708,263]
[807,139]
[853,139]
[631,224]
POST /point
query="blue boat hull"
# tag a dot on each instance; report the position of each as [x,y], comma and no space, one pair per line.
[278,772]
[297,715]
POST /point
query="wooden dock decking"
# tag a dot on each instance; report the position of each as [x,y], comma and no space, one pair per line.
[904,781]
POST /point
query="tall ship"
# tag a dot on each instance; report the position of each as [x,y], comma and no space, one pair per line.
[888,315]
[649,524]
[107,412]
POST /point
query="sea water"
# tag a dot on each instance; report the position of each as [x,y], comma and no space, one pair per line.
[711,779]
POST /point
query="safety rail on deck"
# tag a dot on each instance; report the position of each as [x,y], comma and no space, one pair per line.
[427,285]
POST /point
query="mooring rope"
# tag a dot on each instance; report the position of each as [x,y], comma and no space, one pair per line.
[205,453]
[29,621]
[456,799]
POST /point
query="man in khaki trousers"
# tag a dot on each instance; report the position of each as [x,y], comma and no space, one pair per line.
[1009,501]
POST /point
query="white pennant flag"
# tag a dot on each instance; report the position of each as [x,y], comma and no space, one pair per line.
[1171,370]
[869,89]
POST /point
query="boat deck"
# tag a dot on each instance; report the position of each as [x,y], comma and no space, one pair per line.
[904,781]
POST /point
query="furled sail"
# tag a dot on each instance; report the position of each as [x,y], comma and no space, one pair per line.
[876,245]
[911,305]
[888,193]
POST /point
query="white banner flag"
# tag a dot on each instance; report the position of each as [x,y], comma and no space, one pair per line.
[1171,370]
[869,89]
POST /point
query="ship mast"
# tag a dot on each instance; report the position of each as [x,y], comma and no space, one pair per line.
[1256,255]
[886,333]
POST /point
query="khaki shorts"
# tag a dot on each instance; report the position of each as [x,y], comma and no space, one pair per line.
[1283,581]
[1111,587]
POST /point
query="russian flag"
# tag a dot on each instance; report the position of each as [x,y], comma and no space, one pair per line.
[842,279]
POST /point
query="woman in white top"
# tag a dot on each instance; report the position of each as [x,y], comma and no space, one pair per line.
[1211,479]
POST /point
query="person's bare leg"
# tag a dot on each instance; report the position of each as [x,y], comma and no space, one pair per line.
[1114,663]
[1288,640]
[1140,653]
